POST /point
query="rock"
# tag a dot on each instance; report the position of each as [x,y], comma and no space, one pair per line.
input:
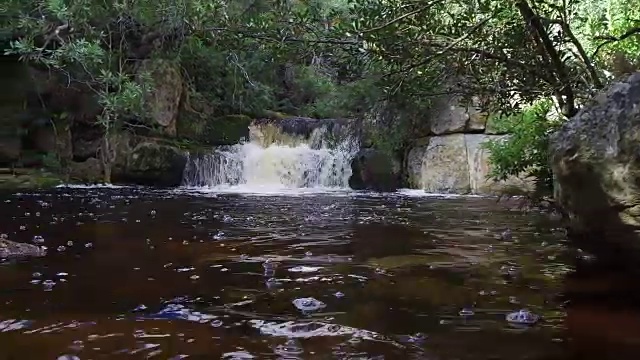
[88,171]
[594,158]
[228,130]
[153,164]
[374,170]
[164,101]
[441,166]
[86,140]
[453,115]
[480,167]
[11,249]
[10,150]
[456,163]
[43,138]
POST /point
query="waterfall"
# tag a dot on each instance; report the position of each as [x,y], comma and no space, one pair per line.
[273,158]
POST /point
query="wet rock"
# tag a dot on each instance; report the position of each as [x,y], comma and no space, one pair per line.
[11,249]
[594,157]
[374,170]
[153,164]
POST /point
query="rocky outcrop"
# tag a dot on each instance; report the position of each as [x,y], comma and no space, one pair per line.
[164,101]
[595,158]
[374,170]
[452,159]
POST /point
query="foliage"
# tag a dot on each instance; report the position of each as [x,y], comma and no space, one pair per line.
[378,61]
[524,152]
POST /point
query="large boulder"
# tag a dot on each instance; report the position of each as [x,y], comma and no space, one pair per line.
[153,164]
[595,158]
[374,170]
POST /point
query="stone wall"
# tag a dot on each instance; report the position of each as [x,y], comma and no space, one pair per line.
[452,159]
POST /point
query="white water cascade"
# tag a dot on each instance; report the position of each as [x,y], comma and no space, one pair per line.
[274,160]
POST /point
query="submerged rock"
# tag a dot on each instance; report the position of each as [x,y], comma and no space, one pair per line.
[595,159]
[374,170]
[11,249]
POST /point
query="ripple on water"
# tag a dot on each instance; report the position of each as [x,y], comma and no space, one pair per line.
[403,262]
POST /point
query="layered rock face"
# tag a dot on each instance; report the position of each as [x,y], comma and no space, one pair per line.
[595,158]
[452,159]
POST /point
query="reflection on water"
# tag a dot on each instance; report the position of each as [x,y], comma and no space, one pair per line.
[135,273]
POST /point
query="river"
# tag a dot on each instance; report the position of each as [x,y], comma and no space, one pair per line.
[138,273]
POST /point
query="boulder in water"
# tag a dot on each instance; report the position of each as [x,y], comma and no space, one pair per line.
[374,170]
[595,158]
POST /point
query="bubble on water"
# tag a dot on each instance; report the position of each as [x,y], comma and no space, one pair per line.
[338,294]
[68,357]
[466,312]
[77,345]
[522,317]
[308,304]
[22,227]
[88,245]
[141,307]
[61,248]
[48,285]
[227,219]
[153,213]
[216,323]
[194,277]
[62,274]
[36,274]
[305,269]
[38,239]
[291,348]
[4,236]
[219,235]
[69,243]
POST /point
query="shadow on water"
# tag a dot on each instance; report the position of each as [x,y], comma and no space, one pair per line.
[134,273]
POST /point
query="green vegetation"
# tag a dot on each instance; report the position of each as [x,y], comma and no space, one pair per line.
[379,61]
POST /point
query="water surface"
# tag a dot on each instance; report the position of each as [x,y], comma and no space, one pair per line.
[135,273]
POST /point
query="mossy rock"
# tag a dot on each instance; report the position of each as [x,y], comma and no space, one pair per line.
[153,164]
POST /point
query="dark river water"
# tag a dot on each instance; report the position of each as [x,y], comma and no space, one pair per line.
[139,274]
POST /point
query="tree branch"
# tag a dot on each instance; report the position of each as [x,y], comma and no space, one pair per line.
[612,39]
[401,17]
